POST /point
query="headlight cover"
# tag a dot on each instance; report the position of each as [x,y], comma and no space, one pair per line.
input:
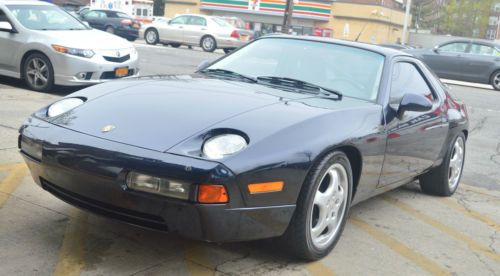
[63,106]
[86,53]
[223,145]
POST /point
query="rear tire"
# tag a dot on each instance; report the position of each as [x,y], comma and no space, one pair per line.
[322,208]
[208,43]
[495,80]
[131,39]
[110,29]
[151,36]
[175,45]
[444,180]
[38,72]
[228,50]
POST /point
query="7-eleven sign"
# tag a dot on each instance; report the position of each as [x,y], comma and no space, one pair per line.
[254,5]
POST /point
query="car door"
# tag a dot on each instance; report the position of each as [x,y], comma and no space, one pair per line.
[446,60]
[415,139]
[481,61]
[9,59]
[96,19]
[195,28]
[174,31]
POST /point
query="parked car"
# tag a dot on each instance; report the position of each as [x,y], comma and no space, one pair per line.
[464,60]
[113,22]
[156,21]
[44,45]
[279,138]
[208,32]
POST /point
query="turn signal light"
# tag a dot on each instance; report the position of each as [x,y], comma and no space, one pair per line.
[266,187]
[209,193]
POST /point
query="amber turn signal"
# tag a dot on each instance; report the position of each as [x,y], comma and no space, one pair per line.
[209,193]
[266,187]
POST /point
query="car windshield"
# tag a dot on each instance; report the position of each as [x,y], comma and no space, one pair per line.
[352,71]
[45,17]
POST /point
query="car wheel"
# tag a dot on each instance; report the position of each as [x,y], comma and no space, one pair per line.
[151,37]
[495,80]
[38,72]
[322,208]
[110,30]
[228,50]
[444,180]
[131,39]
[175,45]
[208,44]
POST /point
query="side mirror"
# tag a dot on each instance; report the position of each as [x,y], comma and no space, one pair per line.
[413,102]
[203,65]
[436,49]
[6,27]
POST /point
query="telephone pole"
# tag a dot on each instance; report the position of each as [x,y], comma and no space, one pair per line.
[287,20]
[405,25]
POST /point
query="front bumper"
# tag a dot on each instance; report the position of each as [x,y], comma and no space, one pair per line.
[98,69]
[83,171]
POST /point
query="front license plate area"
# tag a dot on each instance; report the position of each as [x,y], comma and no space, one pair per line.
[121,72]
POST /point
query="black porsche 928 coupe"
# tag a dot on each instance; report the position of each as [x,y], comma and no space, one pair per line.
[279,138]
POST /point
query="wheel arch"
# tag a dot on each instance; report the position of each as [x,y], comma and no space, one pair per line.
[25,56]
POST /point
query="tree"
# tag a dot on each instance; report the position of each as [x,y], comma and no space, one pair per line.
[467,18]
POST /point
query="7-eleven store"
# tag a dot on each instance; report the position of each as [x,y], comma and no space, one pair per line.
[262,16]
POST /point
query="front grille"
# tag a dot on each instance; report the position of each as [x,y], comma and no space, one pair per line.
[117,59]
[105,209]
[109,75]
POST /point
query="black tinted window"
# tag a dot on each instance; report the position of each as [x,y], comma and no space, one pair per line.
[3,17]
[407,79]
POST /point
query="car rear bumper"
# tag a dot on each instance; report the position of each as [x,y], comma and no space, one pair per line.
[68,69]
[83,171]
[229,42]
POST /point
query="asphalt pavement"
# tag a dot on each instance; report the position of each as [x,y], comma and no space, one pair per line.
[403,232]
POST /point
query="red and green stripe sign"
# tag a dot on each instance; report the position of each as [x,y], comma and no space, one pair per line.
[302,9]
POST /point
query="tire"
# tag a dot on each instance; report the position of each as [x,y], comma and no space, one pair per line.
[299,236]
[228,50]
[175,45]
[495,80]
[151,36]
[110,29]
[38,72]
[444,180]
[131,39]
[208,43]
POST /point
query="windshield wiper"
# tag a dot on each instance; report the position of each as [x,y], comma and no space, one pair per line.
[299,84]
[229,73]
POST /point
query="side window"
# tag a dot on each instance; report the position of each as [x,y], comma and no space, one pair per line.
[3,17]
[456,47]
[95,14]
[198,21]
[179,20]
[480,49]
[407,79]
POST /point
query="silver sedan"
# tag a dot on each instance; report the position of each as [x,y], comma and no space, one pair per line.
[45,45]
[208,32]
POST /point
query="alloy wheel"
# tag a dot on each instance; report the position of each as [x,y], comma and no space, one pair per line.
[456,163]
[208,43]
[329,206]
[496,81]
[37,73]
[151,37]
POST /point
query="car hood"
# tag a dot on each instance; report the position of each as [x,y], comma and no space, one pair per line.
[87,39]
[159,114]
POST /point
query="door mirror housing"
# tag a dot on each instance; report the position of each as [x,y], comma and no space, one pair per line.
[6,27]
[413,102]
[436,49]
[203,65]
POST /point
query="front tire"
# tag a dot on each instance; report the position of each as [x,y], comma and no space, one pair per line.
[322,208]
[175,45]
[208,43]
[151,37]
[38,72]
[444,180]
[495,80]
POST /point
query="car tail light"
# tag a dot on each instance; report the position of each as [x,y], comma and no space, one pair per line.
[126,21]
[210,193]
[235,34]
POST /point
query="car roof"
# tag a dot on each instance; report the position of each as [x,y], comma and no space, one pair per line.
[388,52]
[475,40]
[24,2]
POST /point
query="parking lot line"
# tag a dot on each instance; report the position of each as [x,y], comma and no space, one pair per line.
[197,260]
[319,269]
[489,193]
[9,166]
[72,252]
[452,203]
[443,228]
[403,250]
[11,181]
